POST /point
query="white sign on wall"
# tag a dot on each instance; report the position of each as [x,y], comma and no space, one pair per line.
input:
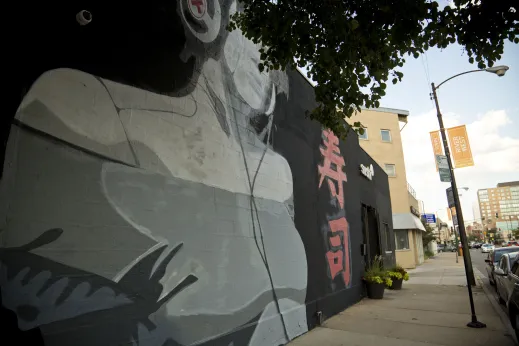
[368,172]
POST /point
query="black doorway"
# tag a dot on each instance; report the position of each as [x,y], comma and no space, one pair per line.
[370,230]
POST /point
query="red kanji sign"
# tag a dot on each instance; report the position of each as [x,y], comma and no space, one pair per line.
[335,174]
[339,254]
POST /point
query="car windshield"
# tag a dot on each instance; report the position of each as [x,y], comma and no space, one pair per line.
[499,253]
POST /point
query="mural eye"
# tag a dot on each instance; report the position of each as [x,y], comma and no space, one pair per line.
[197,8]
[202,18]
[195,14]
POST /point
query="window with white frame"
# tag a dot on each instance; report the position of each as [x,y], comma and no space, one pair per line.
[390,169]
[364,136]
[385,135]
[401,239]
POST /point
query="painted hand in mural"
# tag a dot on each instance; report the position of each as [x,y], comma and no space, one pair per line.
[56,297]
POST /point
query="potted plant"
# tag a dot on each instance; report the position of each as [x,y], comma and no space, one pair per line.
[397,274]
[376,279]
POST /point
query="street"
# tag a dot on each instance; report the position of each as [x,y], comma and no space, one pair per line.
[478,262]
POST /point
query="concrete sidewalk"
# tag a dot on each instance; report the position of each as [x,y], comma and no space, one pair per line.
[431,309]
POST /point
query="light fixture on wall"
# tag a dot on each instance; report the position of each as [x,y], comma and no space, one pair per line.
[84,17]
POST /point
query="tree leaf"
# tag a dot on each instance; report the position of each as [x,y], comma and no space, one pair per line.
[351,63]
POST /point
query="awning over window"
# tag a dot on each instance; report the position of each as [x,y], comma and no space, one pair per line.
[407,221]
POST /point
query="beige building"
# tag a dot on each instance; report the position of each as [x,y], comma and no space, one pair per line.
[382,141]
[499,207]
[442,231]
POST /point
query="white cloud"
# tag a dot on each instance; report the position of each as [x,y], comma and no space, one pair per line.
[496,158]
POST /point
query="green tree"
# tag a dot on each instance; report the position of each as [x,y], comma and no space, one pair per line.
[353,47]
[428,236]
[472,238]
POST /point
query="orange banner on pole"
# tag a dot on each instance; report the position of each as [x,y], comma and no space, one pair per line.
[460,146]
[437,145]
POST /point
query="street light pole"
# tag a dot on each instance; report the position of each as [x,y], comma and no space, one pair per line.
[459,214]
[469,273]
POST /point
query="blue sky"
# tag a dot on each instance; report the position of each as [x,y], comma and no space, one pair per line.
[487,104]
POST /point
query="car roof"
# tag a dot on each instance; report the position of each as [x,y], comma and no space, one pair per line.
[507,249]
[512,255]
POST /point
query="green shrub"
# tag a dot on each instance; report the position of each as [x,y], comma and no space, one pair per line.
[375,273]
[398,272]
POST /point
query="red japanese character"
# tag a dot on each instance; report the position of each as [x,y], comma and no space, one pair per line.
[339,256]
[332,154]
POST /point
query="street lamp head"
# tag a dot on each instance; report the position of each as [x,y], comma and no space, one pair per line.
[499,70]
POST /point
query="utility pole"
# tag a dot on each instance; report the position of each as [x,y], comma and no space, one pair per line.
[469,273]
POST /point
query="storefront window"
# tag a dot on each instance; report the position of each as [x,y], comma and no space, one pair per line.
[401,239]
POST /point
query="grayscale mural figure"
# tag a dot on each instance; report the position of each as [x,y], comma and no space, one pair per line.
[157,189]
[192,173]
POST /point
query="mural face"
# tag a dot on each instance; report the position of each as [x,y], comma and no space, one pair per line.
[178,211]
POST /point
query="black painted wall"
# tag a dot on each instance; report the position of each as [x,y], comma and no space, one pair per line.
[147,46]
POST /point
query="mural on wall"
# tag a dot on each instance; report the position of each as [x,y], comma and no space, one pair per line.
[338,255]
[168,216]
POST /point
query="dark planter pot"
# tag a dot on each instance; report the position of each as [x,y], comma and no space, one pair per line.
[397,284]
[375,291]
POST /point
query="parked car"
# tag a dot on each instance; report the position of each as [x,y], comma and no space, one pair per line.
[486,248]
[493,259]
[513,301]
[449,248]
[477,246]
[512,243]
[440,247]
[505,277]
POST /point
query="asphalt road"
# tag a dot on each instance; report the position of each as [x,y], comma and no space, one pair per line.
[478,261]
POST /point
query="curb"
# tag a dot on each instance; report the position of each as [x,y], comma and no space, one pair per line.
[502,315]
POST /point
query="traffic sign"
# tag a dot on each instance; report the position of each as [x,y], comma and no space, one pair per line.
[450,198]
[430,218]
[443,168]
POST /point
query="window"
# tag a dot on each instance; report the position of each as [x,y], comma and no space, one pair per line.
[515,268]
[390,169]
[499,254]
[385,135]
[503,264]
[401,239]
[364,136]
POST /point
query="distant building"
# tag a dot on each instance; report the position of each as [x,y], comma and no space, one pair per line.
[499,207]
[475,211]
[441,231]
[477,230]
[382,141]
